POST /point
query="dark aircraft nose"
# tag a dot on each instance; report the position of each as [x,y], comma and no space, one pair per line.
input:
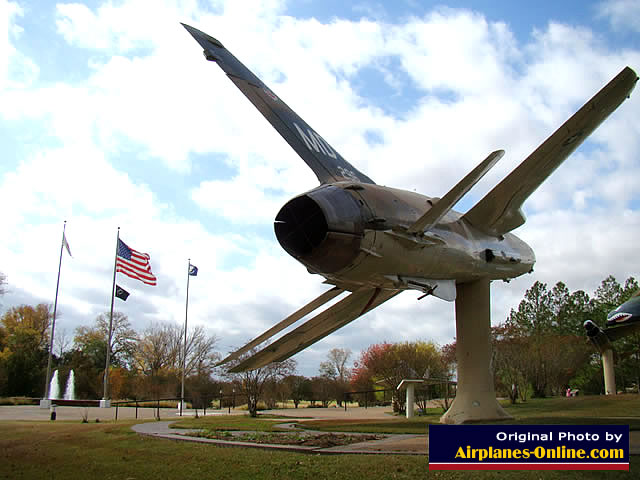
[628,312]
[321,228]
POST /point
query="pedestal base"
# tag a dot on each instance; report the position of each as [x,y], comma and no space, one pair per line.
[475,396]
[474,407]
[105,403]
[45,403]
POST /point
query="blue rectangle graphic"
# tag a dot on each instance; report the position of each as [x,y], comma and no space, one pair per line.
[540,447]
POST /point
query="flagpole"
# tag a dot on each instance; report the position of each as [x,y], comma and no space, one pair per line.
[53,322]
[184,351]
[105,403]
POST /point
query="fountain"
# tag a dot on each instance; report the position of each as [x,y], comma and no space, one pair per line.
[54,388]
[70,390]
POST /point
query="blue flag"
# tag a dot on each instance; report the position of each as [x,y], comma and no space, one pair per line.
[193,270]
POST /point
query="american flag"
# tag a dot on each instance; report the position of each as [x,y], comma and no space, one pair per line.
[134,264]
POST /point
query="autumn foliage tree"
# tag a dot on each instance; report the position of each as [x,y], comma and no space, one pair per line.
[23,349]
[387,364]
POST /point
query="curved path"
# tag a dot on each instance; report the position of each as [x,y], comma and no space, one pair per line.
[397,444]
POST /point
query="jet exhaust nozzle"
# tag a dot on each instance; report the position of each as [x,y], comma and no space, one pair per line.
[322,228]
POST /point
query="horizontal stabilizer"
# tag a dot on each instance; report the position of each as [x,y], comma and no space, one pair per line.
[328,165]
[500,211]
[290,320]
[338,315]
[446,203]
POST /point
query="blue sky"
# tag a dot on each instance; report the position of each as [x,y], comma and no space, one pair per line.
[109,116]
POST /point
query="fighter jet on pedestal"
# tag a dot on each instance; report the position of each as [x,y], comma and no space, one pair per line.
[374,242]
[621,322]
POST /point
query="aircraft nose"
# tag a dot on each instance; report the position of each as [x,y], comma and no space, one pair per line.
[321,228]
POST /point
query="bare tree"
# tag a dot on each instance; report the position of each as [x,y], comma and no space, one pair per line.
[336,365]
[158,349]
[158,355]
[62,342]
[336,369]
[123,337]
[201,354]
[252,383]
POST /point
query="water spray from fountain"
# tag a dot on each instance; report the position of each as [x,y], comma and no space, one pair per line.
[70,390]
[54,388]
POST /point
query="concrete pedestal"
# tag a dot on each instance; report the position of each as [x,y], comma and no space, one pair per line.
[45,403]
[411,395]
[105,403]
[476,397]
[609,373]
[410,383]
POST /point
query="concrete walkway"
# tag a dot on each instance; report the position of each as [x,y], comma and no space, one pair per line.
[34,412]
[391,444]
[396,444]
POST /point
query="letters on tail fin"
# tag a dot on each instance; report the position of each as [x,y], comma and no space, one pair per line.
[328,165]
[500,211]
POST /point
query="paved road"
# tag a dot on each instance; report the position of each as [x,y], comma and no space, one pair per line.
[34,412]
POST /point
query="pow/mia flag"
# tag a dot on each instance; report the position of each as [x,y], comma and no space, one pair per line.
[121,293]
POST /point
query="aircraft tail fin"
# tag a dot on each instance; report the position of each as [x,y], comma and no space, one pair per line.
[446,203]
[328,165]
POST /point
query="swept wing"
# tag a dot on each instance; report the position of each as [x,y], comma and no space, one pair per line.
[337,316]
[290,320]
[500,211]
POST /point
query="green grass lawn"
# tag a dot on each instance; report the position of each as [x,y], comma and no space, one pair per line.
[263,423]
[63,450]
[585,410]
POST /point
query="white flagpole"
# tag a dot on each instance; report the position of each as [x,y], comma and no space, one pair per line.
[53,322]
[184,350]
[104,402]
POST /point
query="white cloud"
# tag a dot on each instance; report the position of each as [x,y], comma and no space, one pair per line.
[122,27]
[622,14]
[150,96]
[16,69]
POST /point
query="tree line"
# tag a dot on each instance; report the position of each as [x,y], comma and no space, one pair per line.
[539,350]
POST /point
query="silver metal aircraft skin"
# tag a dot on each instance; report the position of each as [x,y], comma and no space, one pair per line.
[375,241]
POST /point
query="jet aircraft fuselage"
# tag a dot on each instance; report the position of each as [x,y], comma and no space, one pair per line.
[356,234]
[374,241]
